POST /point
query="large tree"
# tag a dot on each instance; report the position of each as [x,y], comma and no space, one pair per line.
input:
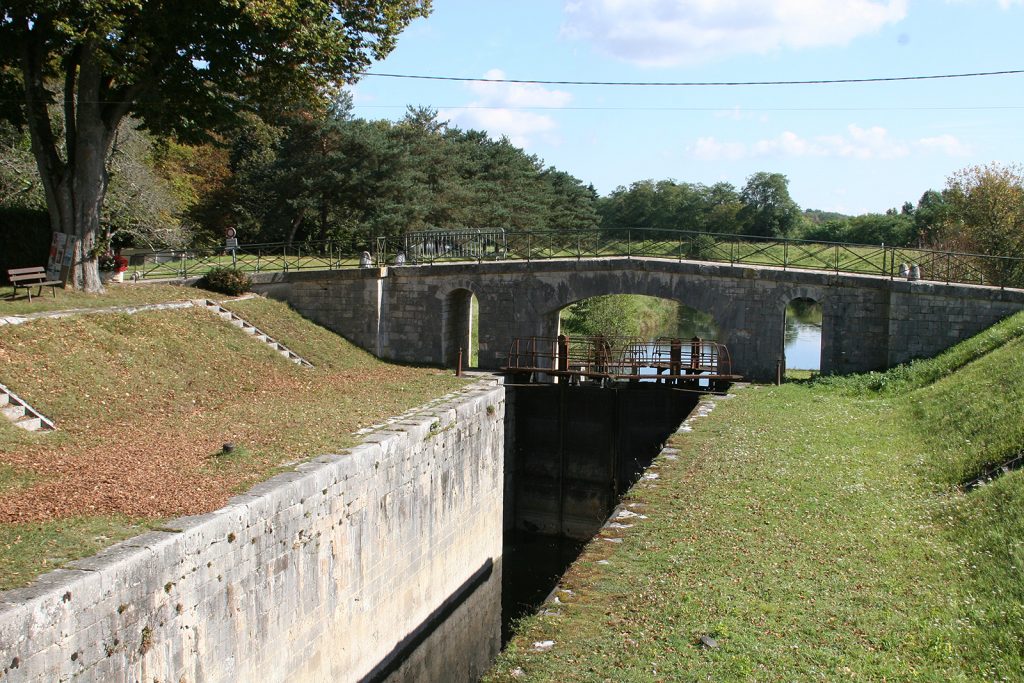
[72,71]
[768,209]
[985,214]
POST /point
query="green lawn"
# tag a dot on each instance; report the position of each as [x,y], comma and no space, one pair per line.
[816,532]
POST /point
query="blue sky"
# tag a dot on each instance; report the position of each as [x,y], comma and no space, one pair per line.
[852,148]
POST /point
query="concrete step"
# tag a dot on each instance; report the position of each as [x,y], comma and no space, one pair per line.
[13,412]
[29,422]
[21,413]
[252,330]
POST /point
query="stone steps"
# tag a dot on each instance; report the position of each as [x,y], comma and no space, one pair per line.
[253,331]
[21,414]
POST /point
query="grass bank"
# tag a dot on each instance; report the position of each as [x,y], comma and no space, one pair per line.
[116,294]
[815,531]
[143,404]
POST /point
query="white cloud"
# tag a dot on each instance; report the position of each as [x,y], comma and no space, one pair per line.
[1004,4]
[669,32]
[710,149]
[517,94]
[946,144]
[497,110]
[855,142]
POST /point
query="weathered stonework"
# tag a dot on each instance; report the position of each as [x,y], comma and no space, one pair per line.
[869,322]
[327,573]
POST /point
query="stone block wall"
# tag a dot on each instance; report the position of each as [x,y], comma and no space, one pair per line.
[928,318]
[331,572]
[869,322]
[345,301]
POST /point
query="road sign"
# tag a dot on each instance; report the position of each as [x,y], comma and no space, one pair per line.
[230,233]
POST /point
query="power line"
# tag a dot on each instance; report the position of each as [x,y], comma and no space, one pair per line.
[699,84]
[700,109]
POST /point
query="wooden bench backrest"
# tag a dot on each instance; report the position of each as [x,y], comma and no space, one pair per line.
[25,274]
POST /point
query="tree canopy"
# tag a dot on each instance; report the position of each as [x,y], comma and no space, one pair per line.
[73,71]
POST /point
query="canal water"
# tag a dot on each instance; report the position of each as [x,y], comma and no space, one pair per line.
[802,332]
[803,335]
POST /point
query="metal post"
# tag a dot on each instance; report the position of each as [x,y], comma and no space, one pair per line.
[458,364]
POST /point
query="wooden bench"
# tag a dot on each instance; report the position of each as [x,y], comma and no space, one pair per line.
[27,278]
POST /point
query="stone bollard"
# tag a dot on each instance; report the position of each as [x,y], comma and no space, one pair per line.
[915,272]
[904,270]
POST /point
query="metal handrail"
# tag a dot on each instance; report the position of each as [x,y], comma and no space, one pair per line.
[460,245]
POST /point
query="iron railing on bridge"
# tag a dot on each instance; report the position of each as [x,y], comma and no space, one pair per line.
[446,246]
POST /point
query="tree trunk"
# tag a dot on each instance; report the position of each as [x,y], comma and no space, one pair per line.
[75,186]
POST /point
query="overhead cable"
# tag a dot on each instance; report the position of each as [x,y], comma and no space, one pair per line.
[698,84]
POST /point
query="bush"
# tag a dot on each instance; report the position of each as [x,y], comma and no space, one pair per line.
[701,248]
[226,280]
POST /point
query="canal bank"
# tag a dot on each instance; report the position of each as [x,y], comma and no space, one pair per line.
[383,562]
[812,531]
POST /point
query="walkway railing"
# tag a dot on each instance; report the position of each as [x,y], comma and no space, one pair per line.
[448,246]
[699,362]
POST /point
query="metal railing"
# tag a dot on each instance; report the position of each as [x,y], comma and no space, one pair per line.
[602,357]
[441,246]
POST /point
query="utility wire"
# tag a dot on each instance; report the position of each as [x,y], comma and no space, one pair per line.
[699,84]
[699,109]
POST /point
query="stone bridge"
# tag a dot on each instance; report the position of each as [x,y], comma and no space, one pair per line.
[423,314]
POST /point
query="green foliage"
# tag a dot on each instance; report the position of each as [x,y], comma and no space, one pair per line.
[669,205]
[619,315]
[701,247]
[985,214]
[891,229]
[184,69]
[20,186]
[311,178]
[768,210]
[227,280]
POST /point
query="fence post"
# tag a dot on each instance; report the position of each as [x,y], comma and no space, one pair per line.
[785,254]
[629,243]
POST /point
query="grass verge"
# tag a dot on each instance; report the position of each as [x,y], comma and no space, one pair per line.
[815,533]
[116,294]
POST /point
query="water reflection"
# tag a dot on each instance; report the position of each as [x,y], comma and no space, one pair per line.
[803,335]
[689,323]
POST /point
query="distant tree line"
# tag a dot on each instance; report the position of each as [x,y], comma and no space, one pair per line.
[315,172]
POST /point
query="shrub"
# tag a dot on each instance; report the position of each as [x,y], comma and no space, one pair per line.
[226,280]
[701,247]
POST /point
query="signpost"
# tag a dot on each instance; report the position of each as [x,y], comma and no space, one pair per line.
[231,244]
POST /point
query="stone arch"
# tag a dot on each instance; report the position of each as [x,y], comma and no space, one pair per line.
[459,328]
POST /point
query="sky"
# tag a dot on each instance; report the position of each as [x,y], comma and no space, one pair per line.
[853,148]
